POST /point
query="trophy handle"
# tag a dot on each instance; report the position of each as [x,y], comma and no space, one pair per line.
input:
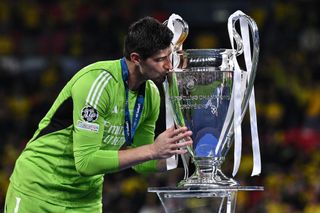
[255,54]
[180,31]
[179,28]
[240,50]
[246,82]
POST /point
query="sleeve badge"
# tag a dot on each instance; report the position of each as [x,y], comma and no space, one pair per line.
[89,114]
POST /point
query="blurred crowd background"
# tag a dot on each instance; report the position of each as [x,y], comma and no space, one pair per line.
[43,43]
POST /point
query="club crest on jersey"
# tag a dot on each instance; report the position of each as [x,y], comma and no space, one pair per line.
[89,114]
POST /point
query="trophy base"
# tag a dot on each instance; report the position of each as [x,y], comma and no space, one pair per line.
[215,199]
[208,174]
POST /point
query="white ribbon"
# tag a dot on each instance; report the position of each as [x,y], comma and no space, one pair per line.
[252,106]
[172,162]
[238,95]
[176,29]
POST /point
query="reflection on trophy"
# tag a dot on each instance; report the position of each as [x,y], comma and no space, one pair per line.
[208,92]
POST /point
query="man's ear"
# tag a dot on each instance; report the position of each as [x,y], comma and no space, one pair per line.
[135,58]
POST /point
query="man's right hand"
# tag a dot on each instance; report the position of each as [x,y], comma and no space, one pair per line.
[169,143]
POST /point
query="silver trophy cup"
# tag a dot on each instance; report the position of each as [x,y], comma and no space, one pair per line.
[200,91]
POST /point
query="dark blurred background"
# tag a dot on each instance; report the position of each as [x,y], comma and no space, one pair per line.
[43,43]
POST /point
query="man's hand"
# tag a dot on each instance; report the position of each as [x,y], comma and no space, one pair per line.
[170,142]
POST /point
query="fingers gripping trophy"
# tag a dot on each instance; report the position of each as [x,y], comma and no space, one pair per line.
[208,92]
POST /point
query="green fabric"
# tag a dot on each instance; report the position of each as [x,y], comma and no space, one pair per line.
[22,203]
[67,166]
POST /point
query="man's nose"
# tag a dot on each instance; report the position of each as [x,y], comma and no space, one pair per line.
[168,65]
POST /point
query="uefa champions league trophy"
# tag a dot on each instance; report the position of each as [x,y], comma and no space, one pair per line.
[209,93]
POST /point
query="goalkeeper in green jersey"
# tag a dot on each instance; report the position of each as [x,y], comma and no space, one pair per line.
[102,121]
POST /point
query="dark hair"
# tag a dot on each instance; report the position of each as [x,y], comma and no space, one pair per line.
[146,37]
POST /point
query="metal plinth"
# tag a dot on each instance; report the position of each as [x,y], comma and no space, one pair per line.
[200,199]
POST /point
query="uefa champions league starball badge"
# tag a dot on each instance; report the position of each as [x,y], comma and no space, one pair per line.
[89,114]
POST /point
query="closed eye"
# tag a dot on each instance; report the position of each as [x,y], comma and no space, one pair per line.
[161,59]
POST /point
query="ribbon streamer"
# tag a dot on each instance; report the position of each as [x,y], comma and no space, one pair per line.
[238,96]
[252,107]
[172,162]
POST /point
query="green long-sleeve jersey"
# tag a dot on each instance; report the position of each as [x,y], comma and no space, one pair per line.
[77,141]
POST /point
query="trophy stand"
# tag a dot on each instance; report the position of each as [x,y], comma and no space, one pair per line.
[200,199]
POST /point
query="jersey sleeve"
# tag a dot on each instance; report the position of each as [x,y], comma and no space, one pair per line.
[146,132]
[90,101]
